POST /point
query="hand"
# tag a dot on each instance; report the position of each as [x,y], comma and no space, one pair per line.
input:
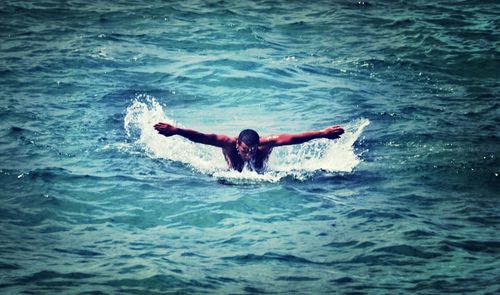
[333,132]
[165,129]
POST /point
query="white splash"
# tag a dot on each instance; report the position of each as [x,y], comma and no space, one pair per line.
[299,161]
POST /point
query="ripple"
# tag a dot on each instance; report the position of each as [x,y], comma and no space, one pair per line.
[342,244]
[9,266]
[417,234]
[253,258]
[47,275]
[79,252]
[373,214]
[296,278]
[407,251]
[492,247]
[159,283]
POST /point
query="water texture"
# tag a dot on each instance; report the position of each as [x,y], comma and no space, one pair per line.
[93,201]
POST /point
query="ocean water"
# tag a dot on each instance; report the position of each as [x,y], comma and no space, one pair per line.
[94,201]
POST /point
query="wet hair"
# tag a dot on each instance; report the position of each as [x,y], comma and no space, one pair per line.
[249,137]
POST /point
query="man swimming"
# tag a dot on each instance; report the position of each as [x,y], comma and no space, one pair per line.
[248,149]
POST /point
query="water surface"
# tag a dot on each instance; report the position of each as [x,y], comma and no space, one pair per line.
[94,201]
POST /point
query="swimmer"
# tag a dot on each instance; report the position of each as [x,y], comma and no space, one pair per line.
[248,149]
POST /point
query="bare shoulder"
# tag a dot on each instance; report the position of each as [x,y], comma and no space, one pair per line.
[266,144]
[226,141]
[268,140]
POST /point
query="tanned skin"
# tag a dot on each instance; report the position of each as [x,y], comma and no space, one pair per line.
[237,153]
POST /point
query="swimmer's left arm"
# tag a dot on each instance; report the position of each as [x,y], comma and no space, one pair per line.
[332,132]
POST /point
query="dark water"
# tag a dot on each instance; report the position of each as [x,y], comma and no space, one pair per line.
[92,200]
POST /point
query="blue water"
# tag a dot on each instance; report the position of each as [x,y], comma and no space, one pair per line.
[93,201]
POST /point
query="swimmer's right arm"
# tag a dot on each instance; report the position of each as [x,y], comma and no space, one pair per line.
[194,136]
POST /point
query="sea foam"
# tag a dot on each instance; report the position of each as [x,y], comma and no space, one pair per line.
[298,161]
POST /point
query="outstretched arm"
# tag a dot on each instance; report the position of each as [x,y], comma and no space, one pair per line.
[331,132]
[195,136]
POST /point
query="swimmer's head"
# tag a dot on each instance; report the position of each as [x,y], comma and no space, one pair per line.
[247,144]
[249,137]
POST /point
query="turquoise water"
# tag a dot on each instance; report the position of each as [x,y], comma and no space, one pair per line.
[94,201]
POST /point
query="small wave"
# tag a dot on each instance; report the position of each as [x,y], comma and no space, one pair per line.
[269,256]
[406,250]
[299,161]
